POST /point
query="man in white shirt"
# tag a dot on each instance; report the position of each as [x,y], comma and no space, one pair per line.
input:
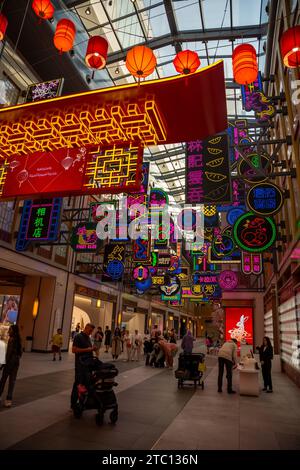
[227,357]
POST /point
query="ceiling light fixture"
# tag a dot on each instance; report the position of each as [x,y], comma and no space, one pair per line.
[88,11]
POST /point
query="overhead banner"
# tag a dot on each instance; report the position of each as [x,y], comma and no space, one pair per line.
[74,171]
[208,177]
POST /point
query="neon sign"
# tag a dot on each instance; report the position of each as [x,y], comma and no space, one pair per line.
[252,263]
[208,177]
[228,280]
[265,199]
[84,238]
[253,233]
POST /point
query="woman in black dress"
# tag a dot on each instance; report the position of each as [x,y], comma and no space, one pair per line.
[266,356]
[107,341]
[10,369]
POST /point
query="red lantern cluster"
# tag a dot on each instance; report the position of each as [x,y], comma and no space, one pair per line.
[96,53]
[64,35]
[244,62]
[290,47]
[3,26]
[186,62]
[43,9]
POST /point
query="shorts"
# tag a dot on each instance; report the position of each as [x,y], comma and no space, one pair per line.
[55,348]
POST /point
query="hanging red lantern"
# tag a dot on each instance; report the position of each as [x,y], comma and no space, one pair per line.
[3,26]
[96,53]
[290,47]
[43,9]
[245,68]
[140,61]
[186,62]
[64,35]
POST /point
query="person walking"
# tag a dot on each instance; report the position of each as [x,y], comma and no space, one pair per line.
[227,357]
[137,343]
[266,356]
[107,341]
[97,340]
[82,348]
[173,337]
[12,362]
[127,346]
[123,333]
[187,342]
[116,344]
[57,342]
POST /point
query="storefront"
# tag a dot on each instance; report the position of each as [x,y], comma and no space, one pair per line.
[92,306]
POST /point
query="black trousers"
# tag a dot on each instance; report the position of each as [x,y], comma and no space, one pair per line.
[228,364]
[11,375]
[266,373]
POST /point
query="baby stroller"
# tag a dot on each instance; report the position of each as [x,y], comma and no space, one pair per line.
[96,390]
[190,369]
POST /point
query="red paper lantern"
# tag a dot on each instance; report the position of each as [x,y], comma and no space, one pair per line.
[96,53]
[245,68]
[186,62]
[290,47]
[64,35]
[3,26]
[43,9]
[140,61]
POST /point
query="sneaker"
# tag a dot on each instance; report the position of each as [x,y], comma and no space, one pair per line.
[269,391]
[7,403]
[220,390]
[264,389]
[231,391]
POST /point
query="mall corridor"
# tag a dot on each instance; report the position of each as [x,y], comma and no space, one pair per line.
[153,413]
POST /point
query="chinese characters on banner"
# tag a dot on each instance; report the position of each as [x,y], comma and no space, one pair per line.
[208,177]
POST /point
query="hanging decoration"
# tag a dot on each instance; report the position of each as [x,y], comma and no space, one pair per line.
[64,35]
[290,47]
[244,63]
[140,61]
[186,62]
[96,53]
[3,26]
[43,9]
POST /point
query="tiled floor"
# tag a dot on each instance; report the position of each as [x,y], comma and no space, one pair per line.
[153,413]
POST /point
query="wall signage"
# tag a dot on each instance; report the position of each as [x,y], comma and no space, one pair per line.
[208,177]
[228,280]
[84,238]
[265,199]
[39,222]
[113,261]
[258,171]
[252,263]
[254,233]
[239,324]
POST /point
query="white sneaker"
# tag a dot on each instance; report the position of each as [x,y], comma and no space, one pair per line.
[7,403]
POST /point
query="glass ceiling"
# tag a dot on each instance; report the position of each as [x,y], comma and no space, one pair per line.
[212,28]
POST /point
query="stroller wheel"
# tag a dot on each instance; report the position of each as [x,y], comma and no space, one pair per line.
[99,419]
[77,412]
[113,416]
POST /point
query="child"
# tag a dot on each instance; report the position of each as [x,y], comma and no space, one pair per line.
[57,342]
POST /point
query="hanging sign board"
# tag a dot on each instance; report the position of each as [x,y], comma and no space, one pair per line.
[208,177]
[265,199]
[84,238]
[254,233]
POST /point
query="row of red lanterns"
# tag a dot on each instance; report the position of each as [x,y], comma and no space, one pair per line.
[141,61]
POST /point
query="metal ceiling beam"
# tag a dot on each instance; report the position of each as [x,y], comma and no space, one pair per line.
[229,34]
[172,23]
